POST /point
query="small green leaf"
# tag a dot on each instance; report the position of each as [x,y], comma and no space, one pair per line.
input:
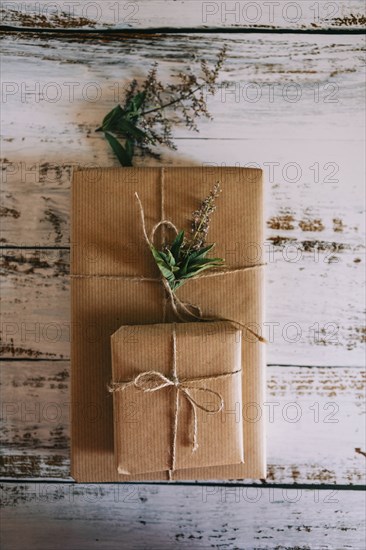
[138,100]
[204,261]
[159,256]
[183,269]
[130,148]
[127,127]
[197,271]
[201,253]
[162,265]
[176,245]
[171,258]
[112,118]
[121,153]
[165,258]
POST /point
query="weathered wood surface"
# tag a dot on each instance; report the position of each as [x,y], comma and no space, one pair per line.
[51,517]
[283,87]
[316,246]
[316,331]
[339,14]
[314,420]
[295,102]
[314,249]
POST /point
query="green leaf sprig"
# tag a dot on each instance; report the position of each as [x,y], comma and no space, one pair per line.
[150,108]
[121,123]
[186,258]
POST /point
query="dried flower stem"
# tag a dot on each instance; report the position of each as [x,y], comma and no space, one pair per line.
[201,218]
[173,102]
[146,117]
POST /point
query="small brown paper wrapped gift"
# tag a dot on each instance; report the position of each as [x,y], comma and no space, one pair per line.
[177,397]
[115,282]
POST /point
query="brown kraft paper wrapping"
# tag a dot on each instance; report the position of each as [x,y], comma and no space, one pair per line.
[206,358]
[109,255]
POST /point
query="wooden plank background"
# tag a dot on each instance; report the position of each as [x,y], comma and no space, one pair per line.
[314,404]
[135,517]
[307,241]
[303,14]
[291,104]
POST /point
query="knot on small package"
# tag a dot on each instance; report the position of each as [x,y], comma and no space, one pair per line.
[166,347]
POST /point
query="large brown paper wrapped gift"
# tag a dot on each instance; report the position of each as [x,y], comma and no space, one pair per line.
[197,422]
[110,264]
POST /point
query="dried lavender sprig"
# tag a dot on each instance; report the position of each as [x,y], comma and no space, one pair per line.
[201,219]
[182,102]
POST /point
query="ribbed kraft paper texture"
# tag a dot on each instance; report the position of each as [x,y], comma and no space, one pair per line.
[144,421]
[107,240]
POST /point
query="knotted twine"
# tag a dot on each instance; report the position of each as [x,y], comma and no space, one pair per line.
[151,381]
[182,311]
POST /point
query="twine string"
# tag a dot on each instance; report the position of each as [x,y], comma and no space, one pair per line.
[162,217]
[176,401]
[184,310]
[152,381]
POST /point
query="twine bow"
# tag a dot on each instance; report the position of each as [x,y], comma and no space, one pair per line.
[152,381]
[181,309]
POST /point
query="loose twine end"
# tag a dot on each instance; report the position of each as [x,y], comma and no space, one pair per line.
[185,311]
[152,381]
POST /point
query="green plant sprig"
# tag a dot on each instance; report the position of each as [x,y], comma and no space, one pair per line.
[149,109]
[186,258]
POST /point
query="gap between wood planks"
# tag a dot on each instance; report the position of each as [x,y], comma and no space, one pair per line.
[233,484]
[116,33]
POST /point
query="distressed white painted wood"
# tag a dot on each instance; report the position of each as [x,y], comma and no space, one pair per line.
[314,418]
[291,106]
[185,13]
[317,217]
[310,150]
[136,517]
[308,87]
[305,324]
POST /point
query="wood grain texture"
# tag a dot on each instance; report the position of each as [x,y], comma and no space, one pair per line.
[316,331]
[55,95]
[287,87]
[314,418]
[340,14]
[315,251]
[136,517]
[316,246]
